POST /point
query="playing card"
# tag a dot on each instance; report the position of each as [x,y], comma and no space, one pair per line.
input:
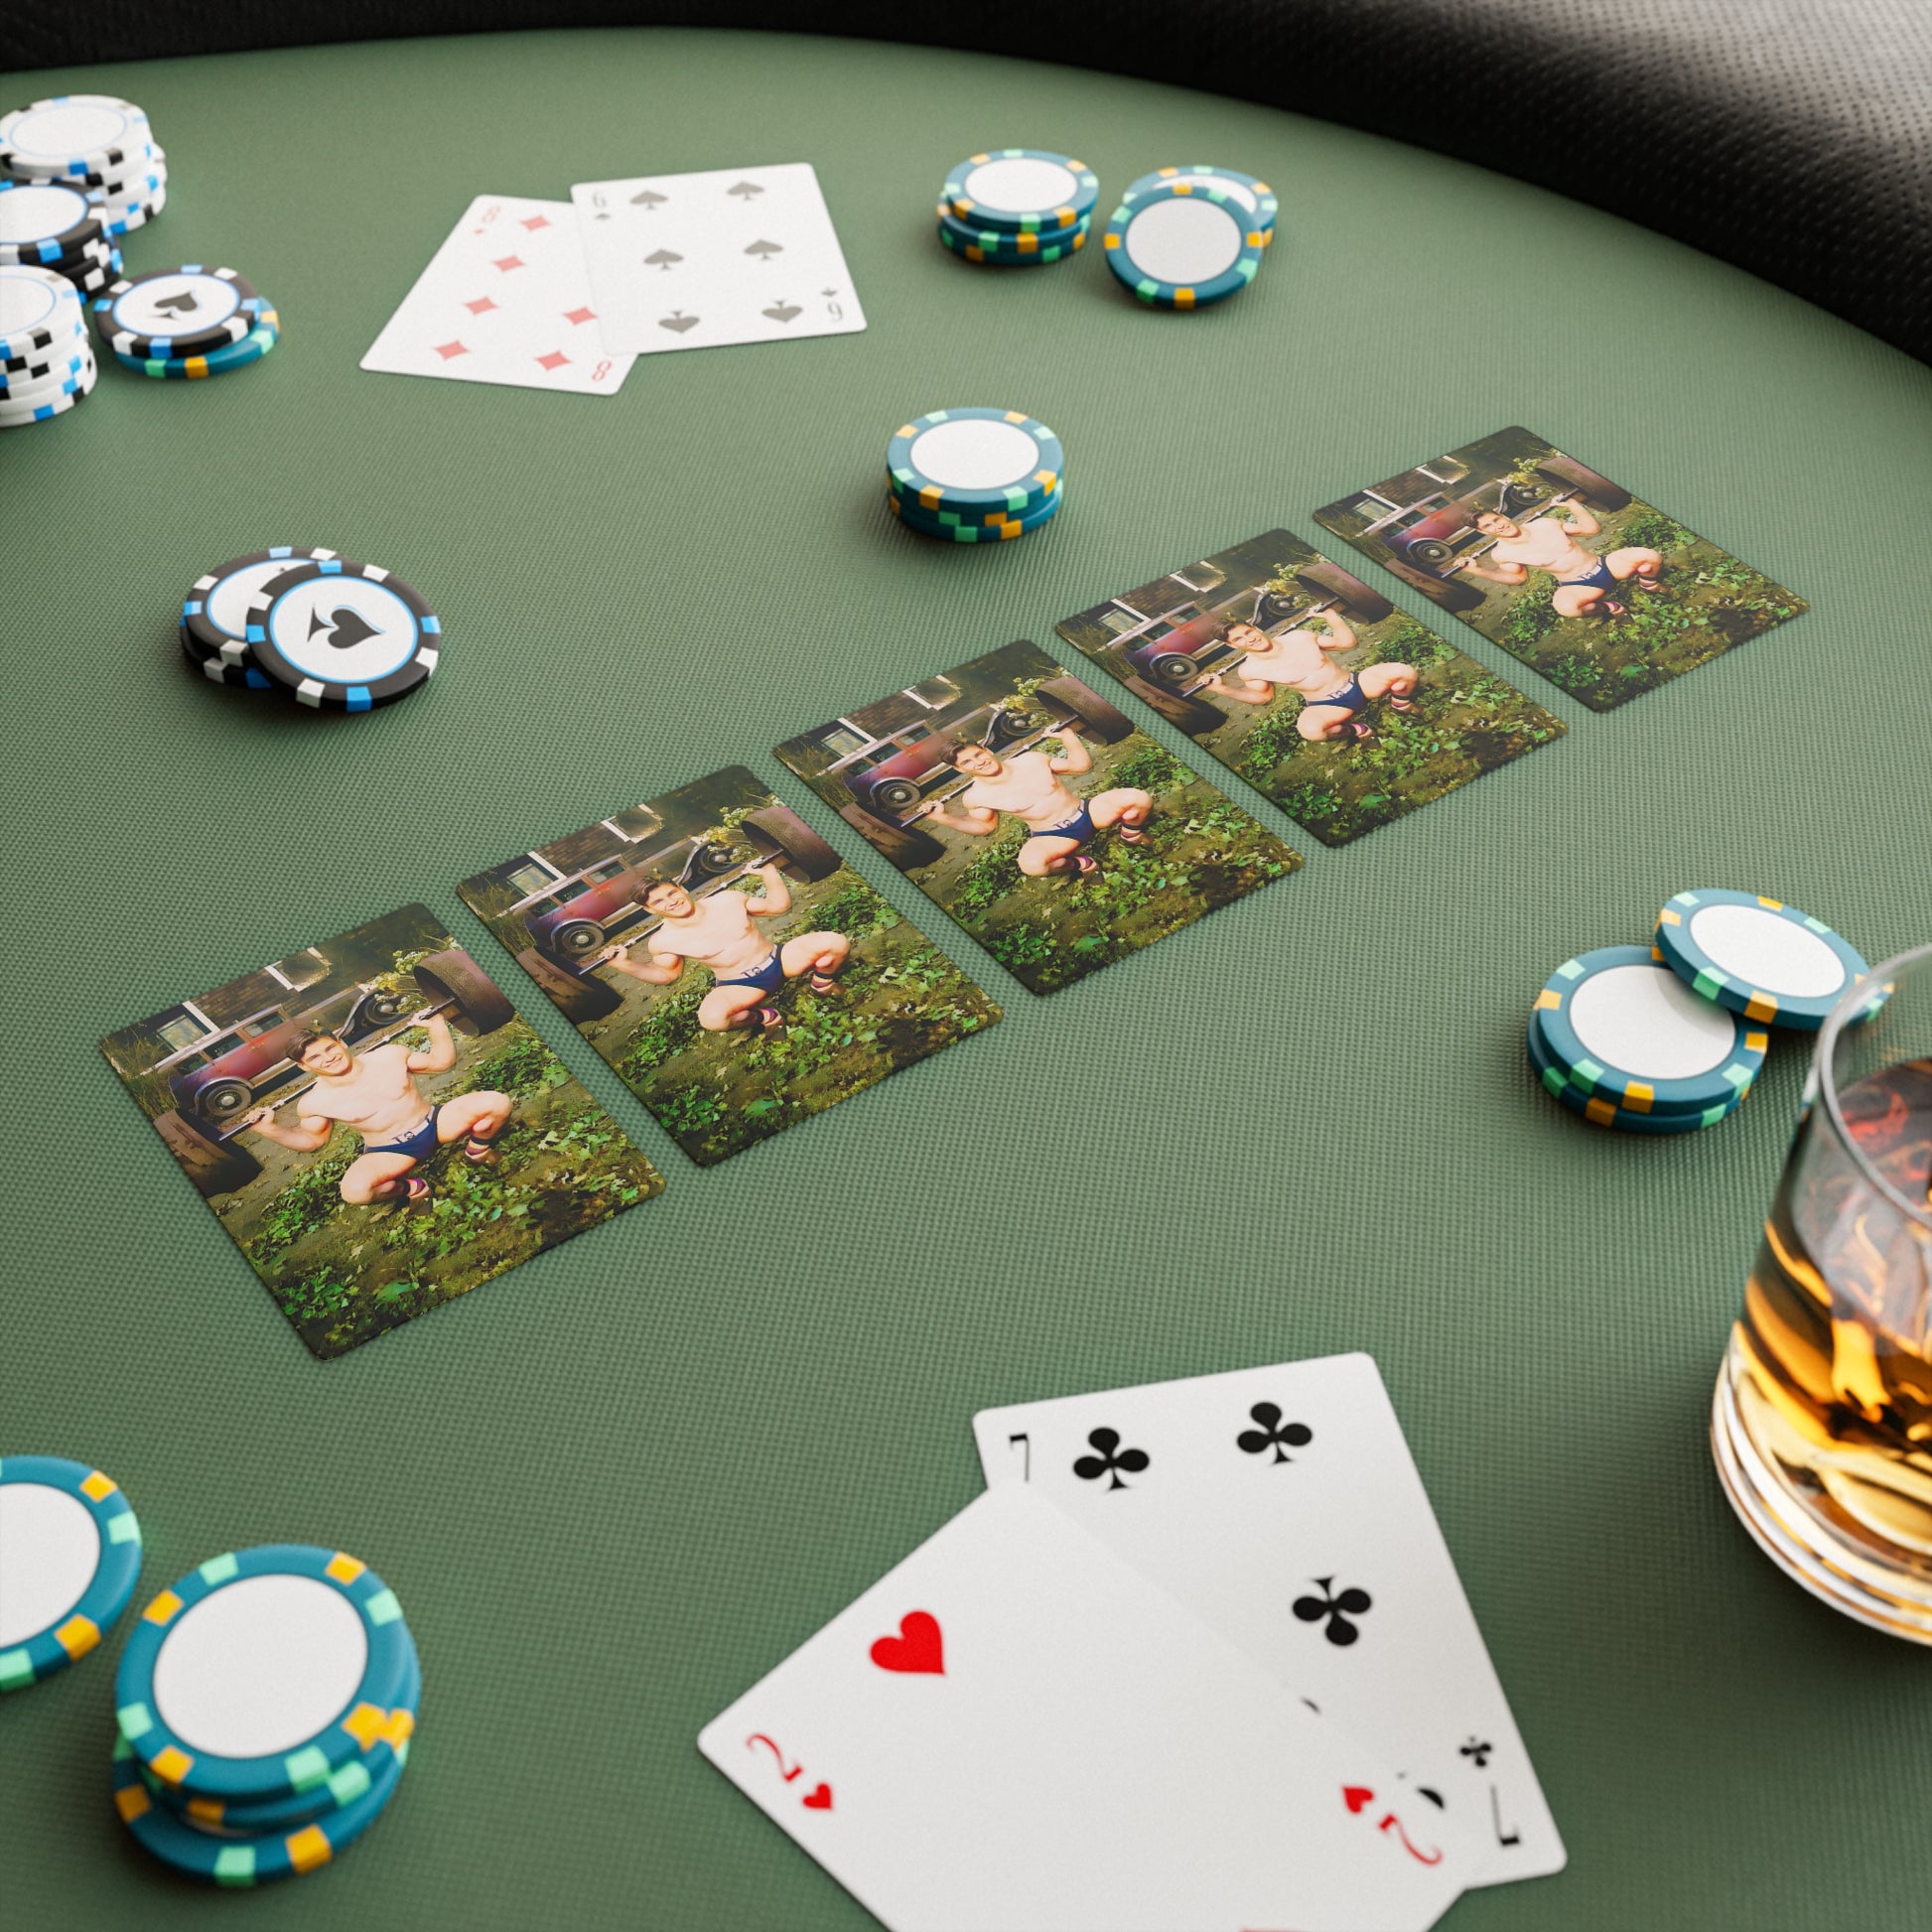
[1603,593]
[1016,1732]
[505,299]
[729,255]
[1027,807]
[1310,684]
[1282,1506]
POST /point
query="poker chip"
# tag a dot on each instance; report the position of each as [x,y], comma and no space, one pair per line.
[47,221]
[1253,196]
[73,135]
[221,1858]
[171,314]
[35,377]
[988,245]
[973,460]
[1020,191]
[43,406]
[260,1674]
[252,346]
[214,613]
[71,1554]
[1626,1031]
[340,635]
[1758,957]
[1183,244]
[1602,1111]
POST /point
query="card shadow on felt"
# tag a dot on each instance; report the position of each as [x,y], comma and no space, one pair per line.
[730,1025]
[1603,594]
[1407,718]
[1032,810]
[517,1156]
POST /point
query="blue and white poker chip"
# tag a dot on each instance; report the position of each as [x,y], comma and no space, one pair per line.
[342,636]
[1185,244]
[70,1557]
[1758,956]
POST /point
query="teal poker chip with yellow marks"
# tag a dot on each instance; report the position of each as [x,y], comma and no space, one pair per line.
[262,1672]
[990,246]
[1628,1032]
[1602,1112]
[1020,191]
[258,1859]
[262,338]
[951,527]
[1758,957]
[1185,245]
[70,1557]
[974,460]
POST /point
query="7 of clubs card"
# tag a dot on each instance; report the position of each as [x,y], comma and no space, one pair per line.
[504,300]
[730,256]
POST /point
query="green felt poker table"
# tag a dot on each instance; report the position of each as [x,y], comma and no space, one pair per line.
[616,1485]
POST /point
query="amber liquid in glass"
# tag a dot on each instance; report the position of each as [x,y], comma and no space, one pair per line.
[1836,1380]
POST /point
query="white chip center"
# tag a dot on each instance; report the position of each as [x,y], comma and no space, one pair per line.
[1773,954]
[39,212]
[1020,185]
[974,454]
[67,130]
[174,305]
[28,298]
[260,1666]
[49,1549]
[228,601]
[344,629]
[1643,1019]
[1186,240]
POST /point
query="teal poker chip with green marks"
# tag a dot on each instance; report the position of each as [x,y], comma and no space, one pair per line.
[1020,191]
[1253,194]
[1602,1111]
[261,1673]
[1185,244]
[70,1557]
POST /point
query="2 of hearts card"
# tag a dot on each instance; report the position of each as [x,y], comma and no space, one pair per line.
[728,255]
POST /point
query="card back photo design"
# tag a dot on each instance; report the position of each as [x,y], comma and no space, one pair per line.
[1310,684]
[1012,1727]
[725,255]
[1603,594]
[1035,812]
[507,299]
[374,1128]
[716,952]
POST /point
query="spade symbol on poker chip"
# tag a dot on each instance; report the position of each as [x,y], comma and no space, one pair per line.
[782,311]
[181,304]
[662,258]
[764,250]
[345,627]
[677,322]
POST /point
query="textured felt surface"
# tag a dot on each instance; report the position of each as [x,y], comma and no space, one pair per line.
[616,1487]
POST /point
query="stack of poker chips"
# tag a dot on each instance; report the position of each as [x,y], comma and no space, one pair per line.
[89,141]
[72,1547]
[314,625]
[1666,1039]
[185,322]
[47,361]
[1186,237]
[974,476]
[264,1707]
[1017,207]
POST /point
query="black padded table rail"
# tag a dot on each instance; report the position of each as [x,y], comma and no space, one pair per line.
[1792,137]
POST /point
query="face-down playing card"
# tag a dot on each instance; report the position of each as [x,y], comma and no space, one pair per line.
[1603,593]
[505,299]
[1282,1506]
[1035,812]
[1015,1729]
[716,951]
[728,255]
[1310,684]
[375,1127]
